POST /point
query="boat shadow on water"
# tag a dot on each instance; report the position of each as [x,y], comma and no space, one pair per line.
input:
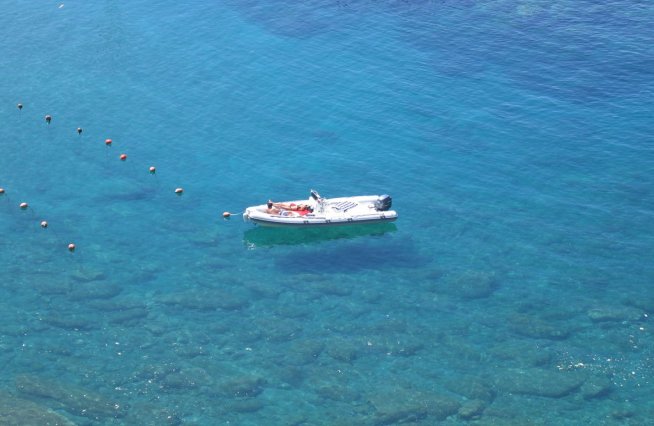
[269,237]
[342,249]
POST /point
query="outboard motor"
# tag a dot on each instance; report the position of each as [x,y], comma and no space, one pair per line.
[315,195]
[383,203]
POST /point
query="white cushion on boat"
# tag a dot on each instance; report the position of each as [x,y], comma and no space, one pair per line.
[345,205]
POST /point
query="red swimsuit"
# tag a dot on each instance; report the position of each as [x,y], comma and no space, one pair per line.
[301,212]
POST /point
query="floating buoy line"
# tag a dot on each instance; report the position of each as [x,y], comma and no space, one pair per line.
[25,206]
[227,215]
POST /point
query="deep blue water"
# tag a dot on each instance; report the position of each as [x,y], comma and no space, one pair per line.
[515,139]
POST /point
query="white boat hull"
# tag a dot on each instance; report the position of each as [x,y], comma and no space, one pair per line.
[330,212]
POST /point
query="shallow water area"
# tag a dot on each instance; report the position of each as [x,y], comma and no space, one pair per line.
[515,140]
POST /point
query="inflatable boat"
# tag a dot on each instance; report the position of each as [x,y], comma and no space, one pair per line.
[319,211]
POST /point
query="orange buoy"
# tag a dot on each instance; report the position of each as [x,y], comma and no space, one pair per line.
[123,157]
[79,130]
[23,205]
[153,169]
[20,106]
[44,224]
[108,141]
[179,191]
[226,215]
[71,247]
[48,119]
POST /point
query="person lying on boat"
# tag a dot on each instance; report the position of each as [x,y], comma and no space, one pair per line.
[276,211]
[272,209]
[302,209]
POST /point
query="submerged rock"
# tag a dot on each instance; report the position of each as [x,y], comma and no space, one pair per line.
[14,329]
[596,387]
[280,330]
[87,275]
[539,382]
[72,398]
[410,406]
[330,288]
[146,414]
[304,351]
[623,414]
[402,346]
[434,273]
[244,405]
[293,376]
[117,304]
[262,289]
[20,412]
[643,302]
[395,414]
[207,300]
[94,290]
[530,326]
[293,310]
[243,386]
[192,351]
[128,315]
[472,409]
[521,353]
[155,372]
[68,322]
[468,284]
[51,288]
[338,393]
[344,350]
[615,313]
[187,378]
[470,387]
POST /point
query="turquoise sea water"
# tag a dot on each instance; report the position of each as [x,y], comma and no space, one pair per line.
[515,138]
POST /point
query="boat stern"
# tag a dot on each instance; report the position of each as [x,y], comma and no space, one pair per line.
[246,215]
